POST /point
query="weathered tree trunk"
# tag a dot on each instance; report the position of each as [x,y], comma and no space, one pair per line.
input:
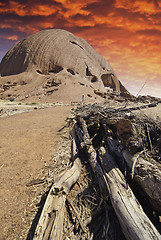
[134,222]
[92,155]
[147,176]
[86,143]
[50,225]
[144,173]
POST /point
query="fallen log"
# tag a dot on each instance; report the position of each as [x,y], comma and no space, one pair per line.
[50,225]
[88,110]
[86,143]
[143,173]
[134,222]
[147,176]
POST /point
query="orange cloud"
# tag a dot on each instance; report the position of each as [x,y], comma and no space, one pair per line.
[42,10]
[73,9]
[17,8]
[45,25]
[142,6]
[14,37]
[22,9]
[145,7]
[5,25]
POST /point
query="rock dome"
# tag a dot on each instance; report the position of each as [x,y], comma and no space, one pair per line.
[53,50]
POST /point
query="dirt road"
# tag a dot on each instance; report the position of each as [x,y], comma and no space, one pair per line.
[28,142]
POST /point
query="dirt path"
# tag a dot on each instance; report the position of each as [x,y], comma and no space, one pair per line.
[27,142]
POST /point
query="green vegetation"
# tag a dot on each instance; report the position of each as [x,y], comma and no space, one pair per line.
[32,103]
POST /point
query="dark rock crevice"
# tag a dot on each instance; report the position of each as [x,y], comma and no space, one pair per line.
[76,44]
[88,73]
[56,69]
[71,71]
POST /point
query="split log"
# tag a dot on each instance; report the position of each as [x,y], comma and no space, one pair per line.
[134,222]
[50,225]
[144,173]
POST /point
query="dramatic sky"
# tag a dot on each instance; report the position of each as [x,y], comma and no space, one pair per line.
[127,33]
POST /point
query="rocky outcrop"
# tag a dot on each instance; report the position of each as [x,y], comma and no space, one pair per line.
[54,51]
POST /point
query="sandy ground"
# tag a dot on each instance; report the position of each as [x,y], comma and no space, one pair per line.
[28,142]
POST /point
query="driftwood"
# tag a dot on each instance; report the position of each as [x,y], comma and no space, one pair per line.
[98,172]
[143,173]
[92,155]
[147,176]
[133,220]
[50,225]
